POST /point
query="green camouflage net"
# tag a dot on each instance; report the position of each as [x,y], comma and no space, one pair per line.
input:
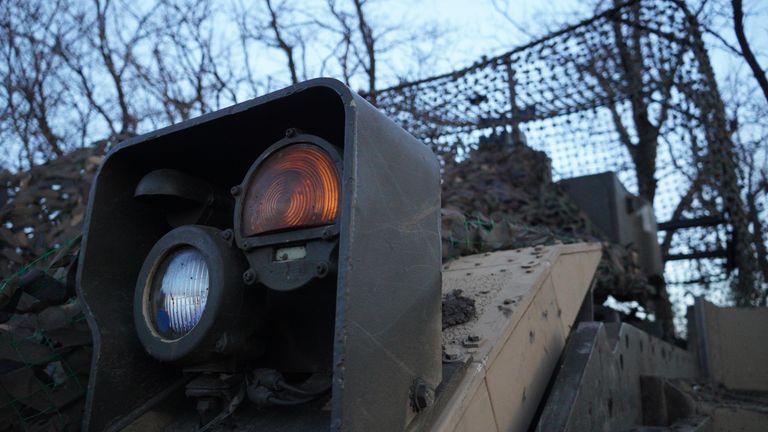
[45,346]
[501,196]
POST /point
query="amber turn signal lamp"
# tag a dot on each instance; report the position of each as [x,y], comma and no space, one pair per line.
[295,187]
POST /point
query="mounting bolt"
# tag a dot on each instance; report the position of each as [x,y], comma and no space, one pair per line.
[322,269]
[235,190]
[451,354]
[290,132]
[327,234]
[249,277]
[226,234]
[472,341]
[221,343]
[422,396]
[206,405]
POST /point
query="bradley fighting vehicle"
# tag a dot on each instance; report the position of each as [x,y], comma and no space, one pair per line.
[276,266]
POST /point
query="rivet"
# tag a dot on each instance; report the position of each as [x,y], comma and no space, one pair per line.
[249,277]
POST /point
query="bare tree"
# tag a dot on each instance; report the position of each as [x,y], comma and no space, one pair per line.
[366,43]
[36,96]
[102,58]
[187,73]
[115,63]
[722,21]
[343,38]
[623,72]
[632,65]
[749,132]
[342,26]
[283,29]
[746,50]
[281,43]
[368,57]
[77,72]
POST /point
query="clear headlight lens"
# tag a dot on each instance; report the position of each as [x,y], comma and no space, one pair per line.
[179,292]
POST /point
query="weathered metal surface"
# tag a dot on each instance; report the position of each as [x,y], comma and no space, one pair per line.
[626,219]
[700,406]
[732,411]
[388,302]
[597,387]
[732,344]
[694,423]
[526,301]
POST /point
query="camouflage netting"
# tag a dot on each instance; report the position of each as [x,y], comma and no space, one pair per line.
[45,351]
[501,196]
[45,346]
[629,90]
[44,207]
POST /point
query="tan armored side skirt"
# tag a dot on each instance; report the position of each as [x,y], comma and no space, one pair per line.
[527,301]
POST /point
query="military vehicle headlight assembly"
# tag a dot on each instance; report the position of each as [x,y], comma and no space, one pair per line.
[317,220]
[190,298]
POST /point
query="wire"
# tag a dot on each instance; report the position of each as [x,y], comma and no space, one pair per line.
[289,402]
[227,411]
[285,386]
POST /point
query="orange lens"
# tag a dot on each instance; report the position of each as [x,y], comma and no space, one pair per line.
[295,187]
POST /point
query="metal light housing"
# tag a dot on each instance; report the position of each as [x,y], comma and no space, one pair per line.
[372,320]
[201,325]
[286,212]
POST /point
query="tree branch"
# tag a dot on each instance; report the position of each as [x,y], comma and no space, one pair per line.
[749,56]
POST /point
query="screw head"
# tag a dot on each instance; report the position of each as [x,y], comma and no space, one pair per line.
[250,276]
[221,343]
[423,396]
[290,132]
[451,354]
[235,190]
[327,234]
[322,269]
[205,405]
[226,234]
